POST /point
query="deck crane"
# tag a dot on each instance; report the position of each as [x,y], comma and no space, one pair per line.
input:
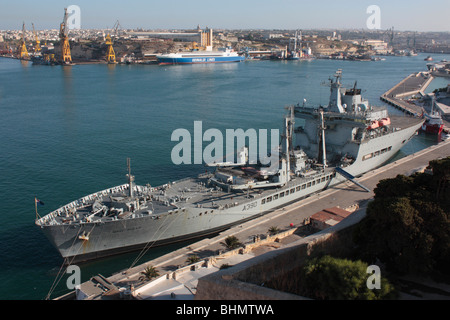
[66,57]
[23,54]
[37,48]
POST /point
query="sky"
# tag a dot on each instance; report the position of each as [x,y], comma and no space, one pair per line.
[403,15]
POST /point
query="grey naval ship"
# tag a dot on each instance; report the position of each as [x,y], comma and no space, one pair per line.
[321,147]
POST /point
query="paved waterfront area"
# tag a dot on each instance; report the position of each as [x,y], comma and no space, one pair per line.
[343,195]
[411,85]
[415,83]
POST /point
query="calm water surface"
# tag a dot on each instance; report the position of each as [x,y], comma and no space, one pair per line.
[67,131]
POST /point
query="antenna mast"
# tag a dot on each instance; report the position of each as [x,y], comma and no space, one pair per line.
[322,138]
[130,177]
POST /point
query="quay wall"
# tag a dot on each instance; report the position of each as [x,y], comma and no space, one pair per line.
[246,280]
[210,262]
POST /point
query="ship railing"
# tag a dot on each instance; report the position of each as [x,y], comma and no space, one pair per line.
[179,181]
[376,134]
[81,202]
[205,175]
[354,116]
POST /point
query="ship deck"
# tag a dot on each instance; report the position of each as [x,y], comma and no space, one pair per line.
[404,121]
[186,193]
[172,197]
[197,195]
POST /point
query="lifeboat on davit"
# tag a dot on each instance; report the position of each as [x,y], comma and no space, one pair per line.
[384,122]
[373,125]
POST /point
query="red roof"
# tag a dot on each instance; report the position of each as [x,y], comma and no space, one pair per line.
[334,213]
[338,211]
[325,216]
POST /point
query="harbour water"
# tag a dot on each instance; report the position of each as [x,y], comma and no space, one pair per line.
[67,131]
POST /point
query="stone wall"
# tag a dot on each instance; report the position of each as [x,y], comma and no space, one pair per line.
[247,280]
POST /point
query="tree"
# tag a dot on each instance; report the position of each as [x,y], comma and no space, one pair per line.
[407,225]
[149,273]
[441,170]
[193,259]
[273,230]
[231,242]
[328,278]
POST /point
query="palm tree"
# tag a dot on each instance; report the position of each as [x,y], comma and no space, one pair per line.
[149,273]
[231,242]
[192,259]
[273,230]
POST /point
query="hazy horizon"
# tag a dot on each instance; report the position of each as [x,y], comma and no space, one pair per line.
[430,16]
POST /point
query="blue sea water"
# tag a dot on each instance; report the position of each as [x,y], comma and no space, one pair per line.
[66,132]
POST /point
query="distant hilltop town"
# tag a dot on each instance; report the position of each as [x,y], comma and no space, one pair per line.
[143,45]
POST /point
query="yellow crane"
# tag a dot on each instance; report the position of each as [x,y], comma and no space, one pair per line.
[110,55]
[66,57]
[37,49]
[23,54]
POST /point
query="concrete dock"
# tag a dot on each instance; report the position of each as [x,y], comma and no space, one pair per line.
[177,282]
[413,84]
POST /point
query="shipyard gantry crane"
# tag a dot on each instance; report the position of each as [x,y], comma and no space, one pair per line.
[116,28]
[37,48]
[110,55]
[23,54]
[390,35]
[66,57]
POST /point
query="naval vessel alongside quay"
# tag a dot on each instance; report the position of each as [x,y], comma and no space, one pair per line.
[321,147]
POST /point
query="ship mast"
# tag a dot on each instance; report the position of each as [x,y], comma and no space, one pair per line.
[289,123]
[335,94]
[323,151]
[130,177]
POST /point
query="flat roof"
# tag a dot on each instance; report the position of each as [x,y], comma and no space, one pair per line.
[331,216]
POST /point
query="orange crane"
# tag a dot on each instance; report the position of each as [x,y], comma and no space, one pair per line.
[66,57]
[37,49]
[110,55]
[23,54]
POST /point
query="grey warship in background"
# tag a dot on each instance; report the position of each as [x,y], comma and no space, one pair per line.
[321,147]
